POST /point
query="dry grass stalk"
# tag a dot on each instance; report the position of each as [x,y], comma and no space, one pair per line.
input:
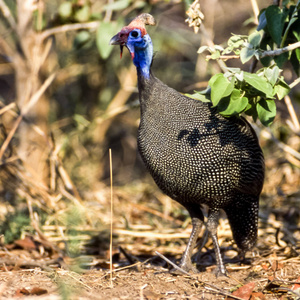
[255,9]
[153,235]
[294,118]
[67,28]
[266,133]
[111,217]
[207,286]
[24,111]
[7,108]
[156,213]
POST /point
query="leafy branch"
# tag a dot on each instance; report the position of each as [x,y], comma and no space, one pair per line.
[260,54]
[236,91]
[279,51]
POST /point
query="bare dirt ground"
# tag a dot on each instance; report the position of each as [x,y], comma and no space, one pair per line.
[272,277]
[31,269]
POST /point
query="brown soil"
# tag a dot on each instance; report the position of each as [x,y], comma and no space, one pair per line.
[270,271]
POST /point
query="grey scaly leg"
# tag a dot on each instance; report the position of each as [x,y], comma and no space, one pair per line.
[197,221]
[212,224]
[186,261]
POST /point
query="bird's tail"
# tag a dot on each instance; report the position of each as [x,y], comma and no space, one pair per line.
[242,214]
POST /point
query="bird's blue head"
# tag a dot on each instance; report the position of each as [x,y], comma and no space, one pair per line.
[135,38]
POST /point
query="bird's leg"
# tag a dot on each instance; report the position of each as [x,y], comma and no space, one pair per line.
[197,221]
[186,261]
[212,224]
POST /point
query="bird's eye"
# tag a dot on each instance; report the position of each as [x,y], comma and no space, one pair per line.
[134,34]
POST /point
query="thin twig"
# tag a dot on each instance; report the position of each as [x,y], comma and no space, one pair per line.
[69,27]
[7,14]
[10,136]
[207,286]
[111,217]
[294,83]
[292,113]
[269,135]
[224,57]
[282,288]
[255,11]
[156,213]
[29,263]
[211,44]
[150,234]
[280,50]
[108,14]
[7,108]
[33,100]
[262,53]
[174,265]
[127,267]
[37,95]
[73,277]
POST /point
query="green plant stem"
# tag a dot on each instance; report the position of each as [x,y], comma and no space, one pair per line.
[290,24]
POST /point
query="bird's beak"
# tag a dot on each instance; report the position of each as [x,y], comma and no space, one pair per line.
[115,40]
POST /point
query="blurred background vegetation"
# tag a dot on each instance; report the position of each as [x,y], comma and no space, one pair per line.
[66,98]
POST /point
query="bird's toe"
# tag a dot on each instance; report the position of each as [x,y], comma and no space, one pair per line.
[187,267]
[220,273]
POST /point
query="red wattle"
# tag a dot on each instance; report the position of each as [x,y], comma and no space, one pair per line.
[121,53]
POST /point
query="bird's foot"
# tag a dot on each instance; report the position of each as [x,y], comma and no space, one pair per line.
[186,267]
[220,272]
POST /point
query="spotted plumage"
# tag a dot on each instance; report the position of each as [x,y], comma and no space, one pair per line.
[195,155]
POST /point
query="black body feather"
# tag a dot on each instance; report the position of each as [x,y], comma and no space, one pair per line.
[196,156]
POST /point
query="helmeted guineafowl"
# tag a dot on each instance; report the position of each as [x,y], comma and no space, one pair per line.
[195,155]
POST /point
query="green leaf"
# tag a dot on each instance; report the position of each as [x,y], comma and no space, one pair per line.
[65,10]
[234,70]
[236,41]
[272,74]
[297,51]
[262,21]
[81,121]
[220,87]
[202,49]
[105,31]
[295,63]
[297,35]
[233,105]
[259,83]
[281,89]
[246,54]
[201,97]
[227,50]
[118,5]
[83,14]
[251,111]
[215,55]
[255,38]
[275,20]
[266,111]
[82,38]
[139,4]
